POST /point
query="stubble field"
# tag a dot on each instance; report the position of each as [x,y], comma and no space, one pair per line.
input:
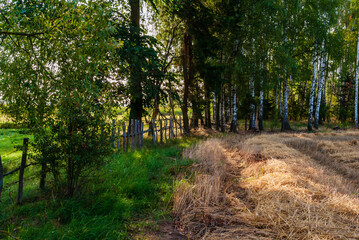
[270,186]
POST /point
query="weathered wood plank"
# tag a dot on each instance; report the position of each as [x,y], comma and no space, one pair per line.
[161,133]
[124,136]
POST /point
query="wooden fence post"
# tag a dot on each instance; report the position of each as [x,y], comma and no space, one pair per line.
[132,133]
[22,169]
[136,128]
[166,130]
[1,177]
[180,124]
[124,136]
[114,132]
[161,134]
[171,128]
[142,128]
[156,132]
[153,131]
[128,138]
[118,136]
[176,125]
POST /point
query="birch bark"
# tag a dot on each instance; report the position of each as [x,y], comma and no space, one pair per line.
[234,119]
[261,97]
[253,107]
[356,85]
[320,90]
[312,91]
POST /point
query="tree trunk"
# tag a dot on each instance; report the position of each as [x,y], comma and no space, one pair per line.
[260,118]
[186,43]
[253,107]
[276,99]
[312,91]
[207,112]
[280,98]
[196,111]
[223,113]
[218,112]
[234,119]
[320,91]
[285,120]
[136,101]
[356,85]
[214,103]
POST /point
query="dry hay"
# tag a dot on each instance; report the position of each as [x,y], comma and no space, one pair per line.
[269,187]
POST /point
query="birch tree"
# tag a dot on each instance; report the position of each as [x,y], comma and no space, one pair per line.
[234,119]
[356,85]
[320,88]
[312,91]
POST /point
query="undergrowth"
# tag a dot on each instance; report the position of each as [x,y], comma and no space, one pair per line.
[131,193]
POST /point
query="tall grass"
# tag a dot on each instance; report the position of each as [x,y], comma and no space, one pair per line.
[129,194]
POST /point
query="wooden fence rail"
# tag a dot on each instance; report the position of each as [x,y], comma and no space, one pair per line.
[131,137]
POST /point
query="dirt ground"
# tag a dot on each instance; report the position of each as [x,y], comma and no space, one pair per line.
[271,186]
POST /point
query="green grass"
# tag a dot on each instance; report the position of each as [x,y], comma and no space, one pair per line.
[10,142]
[129,194]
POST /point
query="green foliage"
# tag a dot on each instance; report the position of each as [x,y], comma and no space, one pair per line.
[63,97]
[127,195]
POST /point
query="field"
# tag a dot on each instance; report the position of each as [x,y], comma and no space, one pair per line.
[270,186]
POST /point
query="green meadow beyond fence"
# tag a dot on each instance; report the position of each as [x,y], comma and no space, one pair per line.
[21,170]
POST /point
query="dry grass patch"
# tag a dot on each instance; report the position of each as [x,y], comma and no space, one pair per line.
[267,187]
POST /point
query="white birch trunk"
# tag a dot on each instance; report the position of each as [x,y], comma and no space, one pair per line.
[280,98]
[356,86]
[223,116]
[235,106]
[276,100]
[312,91]
[234,119]
[214,107]
[320,90]
[261,98]
[285,120]
[253,107]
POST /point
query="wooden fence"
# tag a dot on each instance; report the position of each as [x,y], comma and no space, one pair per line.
[131,137]
[21,170]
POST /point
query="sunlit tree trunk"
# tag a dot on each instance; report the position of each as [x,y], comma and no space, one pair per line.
[280,97]
[320,90]
[218,111]
[253,107]
[214,107]
[261,98]
[312,91]
[286,87]
[186,76]
[285,120]
[234,119]
[356,85]
[223,113]
[208,122]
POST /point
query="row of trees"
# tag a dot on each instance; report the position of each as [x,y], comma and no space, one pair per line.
[67,66]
